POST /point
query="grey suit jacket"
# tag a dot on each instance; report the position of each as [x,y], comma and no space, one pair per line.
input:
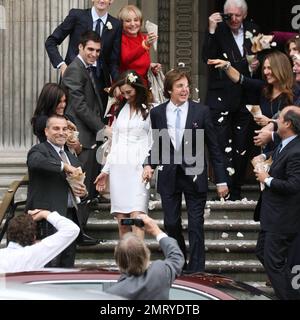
[84,102]
[155,283]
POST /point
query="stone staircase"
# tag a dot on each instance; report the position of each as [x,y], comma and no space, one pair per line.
[230,235]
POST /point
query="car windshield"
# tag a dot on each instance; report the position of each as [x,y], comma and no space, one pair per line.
[241,291]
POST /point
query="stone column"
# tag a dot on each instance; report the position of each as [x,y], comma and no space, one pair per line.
[24,69]
[24,64]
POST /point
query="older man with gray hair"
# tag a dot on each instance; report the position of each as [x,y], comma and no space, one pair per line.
[229,37]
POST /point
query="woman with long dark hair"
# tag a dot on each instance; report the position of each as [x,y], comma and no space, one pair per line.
[53,100]
[131,141]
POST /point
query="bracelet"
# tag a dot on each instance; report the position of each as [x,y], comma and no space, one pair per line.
[241,79]
[227,65]
[145,46]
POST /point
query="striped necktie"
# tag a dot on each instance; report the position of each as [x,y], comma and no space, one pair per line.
[71,196]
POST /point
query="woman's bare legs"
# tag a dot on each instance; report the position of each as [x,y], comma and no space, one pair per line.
[139,232]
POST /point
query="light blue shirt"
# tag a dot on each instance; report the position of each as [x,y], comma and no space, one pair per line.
[171,119]
[284,143]
[96,17]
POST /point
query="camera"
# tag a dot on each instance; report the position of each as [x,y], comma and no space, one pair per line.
[225,16]
[132,222]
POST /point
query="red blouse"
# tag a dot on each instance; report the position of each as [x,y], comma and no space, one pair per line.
[134,56]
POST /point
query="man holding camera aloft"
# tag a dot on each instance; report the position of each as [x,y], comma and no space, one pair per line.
[140,279]
[229,37]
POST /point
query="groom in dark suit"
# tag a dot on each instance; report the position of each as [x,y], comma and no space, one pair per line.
[48,188]
[182,125]
[279,205]
[74,25]
[85,106]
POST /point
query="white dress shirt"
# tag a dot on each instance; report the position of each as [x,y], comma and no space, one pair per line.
[239,39]
[16,258]
[171,120]
[284,142]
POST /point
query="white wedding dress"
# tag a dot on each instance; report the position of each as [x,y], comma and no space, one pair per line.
[131,142]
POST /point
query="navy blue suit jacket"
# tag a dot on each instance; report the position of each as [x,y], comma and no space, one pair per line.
[77,22]
[198,117]
[280,203]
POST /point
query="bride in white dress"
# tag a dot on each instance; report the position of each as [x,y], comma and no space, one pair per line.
[131,142]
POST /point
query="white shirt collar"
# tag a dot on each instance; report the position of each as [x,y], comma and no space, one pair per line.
[173,107]
[80,57]
[14,245]
[96,17]
[57,149]
[287,140]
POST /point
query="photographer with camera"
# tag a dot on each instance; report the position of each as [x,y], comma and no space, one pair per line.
[140,279]
[229,37]
[23,252]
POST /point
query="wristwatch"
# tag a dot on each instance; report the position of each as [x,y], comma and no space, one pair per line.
[275,124]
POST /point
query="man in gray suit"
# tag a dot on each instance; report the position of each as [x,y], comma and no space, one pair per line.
[140,279]
[84,104]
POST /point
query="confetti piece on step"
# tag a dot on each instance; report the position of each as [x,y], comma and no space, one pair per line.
[225,217]
[227,250]
[222,200]
[240,235]
[144,106]
[224,235]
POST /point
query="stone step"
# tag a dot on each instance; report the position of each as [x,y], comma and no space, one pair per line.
[214,209]
[214,229]
[248,270]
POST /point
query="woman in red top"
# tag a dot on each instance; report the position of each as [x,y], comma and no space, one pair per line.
[135,46]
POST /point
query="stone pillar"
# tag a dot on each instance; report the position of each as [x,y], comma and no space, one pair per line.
[24,64]
[24,69]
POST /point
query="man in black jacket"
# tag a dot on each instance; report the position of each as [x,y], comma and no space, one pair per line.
[48,165]
[279,205]
[79,21]
[229,37]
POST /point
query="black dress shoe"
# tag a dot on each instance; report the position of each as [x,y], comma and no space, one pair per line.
[86,240]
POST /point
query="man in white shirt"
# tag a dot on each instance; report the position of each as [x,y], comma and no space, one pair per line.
[23,253]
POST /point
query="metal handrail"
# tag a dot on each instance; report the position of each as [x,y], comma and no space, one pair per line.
[8,205]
